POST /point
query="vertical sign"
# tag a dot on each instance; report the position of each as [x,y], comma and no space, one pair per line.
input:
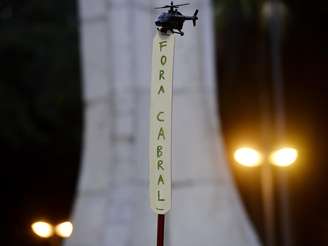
[160,123]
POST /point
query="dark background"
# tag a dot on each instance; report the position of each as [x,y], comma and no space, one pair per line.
[41,109]
[244,69]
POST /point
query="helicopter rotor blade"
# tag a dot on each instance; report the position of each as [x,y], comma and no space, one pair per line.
[173,6]
[164,7]
[183,4]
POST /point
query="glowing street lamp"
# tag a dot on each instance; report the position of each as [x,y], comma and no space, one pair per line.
[42,229]
[46,230]
[64,229]
[248,157]
[284,157]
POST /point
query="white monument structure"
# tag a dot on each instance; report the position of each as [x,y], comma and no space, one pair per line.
[112,203]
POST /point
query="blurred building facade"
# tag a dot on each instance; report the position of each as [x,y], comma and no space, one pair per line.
[112,204]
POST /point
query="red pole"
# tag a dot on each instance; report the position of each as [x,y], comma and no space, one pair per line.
[160,229]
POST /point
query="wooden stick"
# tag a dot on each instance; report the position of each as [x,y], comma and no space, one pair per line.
[160,229]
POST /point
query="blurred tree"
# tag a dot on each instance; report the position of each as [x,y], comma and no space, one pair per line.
[40,91]
[40,110]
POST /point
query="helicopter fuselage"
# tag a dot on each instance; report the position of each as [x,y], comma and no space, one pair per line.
[171,21]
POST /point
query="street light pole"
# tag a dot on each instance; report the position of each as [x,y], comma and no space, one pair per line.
[276,32]
[55,241]
[267,186]
[267,180]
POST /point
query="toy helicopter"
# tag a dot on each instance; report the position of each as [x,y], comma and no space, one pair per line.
[173,20]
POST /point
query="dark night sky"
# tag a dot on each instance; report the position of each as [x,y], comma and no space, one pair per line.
[40,167]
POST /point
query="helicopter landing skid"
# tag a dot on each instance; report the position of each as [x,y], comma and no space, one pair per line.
[164,31]
[178,32]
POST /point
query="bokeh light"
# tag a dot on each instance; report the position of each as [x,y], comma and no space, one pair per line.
[64,229]
[248,157]
[42,229]
[284,157]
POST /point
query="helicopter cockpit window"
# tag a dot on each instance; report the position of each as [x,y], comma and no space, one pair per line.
[163,17]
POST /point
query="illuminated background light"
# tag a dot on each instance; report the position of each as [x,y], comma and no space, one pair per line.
[42,229]
[64,229]
[284,157]
[248,157]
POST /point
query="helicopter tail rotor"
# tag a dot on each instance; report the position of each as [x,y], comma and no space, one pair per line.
[195,18]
